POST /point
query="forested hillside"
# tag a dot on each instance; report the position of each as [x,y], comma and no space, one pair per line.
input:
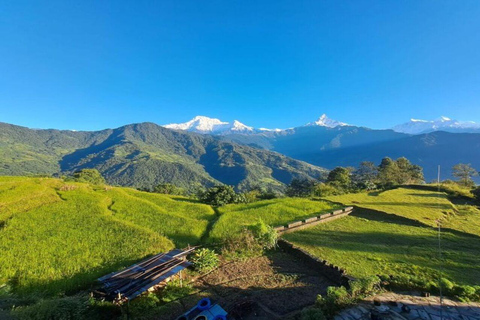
[144,155]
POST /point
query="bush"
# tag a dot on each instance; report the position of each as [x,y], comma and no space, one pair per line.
[325,190]
[168,188]
[92,176]
[265,235]
[204,260]
[364,286]
[335,300]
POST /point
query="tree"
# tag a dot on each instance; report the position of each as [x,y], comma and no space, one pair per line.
[92,176]
[388,172]
[168,188]
[340,176]
[407,172]
[221,195]
[366,175]
[397,172]
[464,172]
[300,188]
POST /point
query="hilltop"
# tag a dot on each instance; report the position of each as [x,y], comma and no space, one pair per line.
[144,155]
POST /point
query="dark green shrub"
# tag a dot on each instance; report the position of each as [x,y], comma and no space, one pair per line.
[221,195]
[168,188]
[92,176]
[204,260]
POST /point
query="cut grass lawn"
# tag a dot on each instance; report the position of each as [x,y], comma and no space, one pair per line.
[400,241]
[274,212]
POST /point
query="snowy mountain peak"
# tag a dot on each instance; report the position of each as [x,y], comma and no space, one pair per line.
[416,126]
[325,121]
[202,124]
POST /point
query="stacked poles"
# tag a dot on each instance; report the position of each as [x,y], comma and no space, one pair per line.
[138,278]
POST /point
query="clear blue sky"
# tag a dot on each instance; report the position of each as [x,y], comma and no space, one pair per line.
[96,64]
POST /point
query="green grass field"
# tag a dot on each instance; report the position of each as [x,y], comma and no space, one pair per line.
[402,240]
[419,205]
[59,237]
[273,212]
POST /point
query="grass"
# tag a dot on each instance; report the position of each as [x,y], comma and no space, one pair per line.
[67,244]
[395,235]
[180,226]
[59,237]
[419,205]
[273,212]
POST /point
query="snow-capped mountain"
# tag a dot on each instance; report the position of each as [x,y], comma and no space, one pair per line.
[206,125]
[325,121]
[416,126]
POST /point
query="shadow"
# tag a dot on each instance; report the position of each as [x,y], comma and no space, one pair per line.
[74,159]
[224,164]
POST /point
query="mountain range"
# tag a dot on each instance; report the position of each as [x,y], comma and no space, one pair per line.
[206,125]
[205,151]
[144,155]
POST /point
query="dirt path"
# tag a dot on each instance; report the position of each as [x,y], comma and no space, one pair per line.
[276,286]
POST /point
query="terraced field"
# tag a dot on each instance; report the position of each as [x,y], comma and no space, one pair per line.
[395,234]
[58,236]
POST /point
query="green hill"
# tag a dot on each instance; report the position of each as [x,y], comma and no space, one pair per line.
[144,155]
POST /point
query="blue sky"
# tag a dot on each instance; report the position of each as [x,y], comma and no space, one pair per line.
[89,65]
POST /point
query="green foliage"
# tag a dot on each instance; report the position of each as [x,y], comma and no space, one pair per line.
[204,260]
[67,308]
[398,172]
[300,188]
[168,188]
[145,155]
[340,176]
[92,176]
[176,289]
[266,235]
[464,173]
[221,195]
[325,190]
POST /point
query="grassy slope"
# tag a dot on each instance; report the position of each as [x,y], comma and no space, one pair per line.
[54,241]
[401,243]
[419,205]
[273,212]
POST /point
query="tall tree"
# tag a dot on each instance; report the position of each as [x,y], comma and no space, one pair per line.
[464,172]
[340,176]
[366,174]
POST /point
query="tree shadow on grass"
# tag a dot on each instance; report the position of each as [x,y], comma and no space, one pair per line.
[381,216]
